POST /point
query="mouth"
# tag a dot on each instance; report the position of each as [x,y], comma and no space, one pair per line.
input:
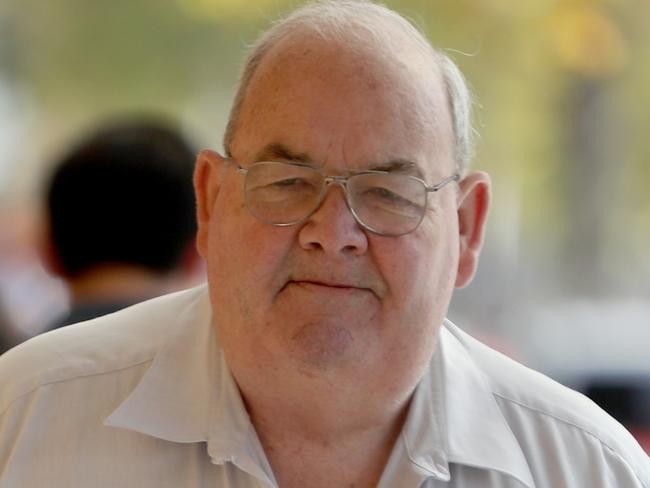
[317,285]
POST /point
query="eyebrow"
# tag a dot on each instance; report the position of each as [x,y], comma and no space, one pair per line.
[275,151]
[278,151]
[403,166]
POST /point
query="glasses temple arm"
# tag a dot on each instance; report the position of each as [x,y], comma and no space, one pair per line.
[446,181]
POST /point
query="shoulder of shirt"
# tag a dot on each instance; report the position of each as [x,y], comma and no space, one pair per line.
[111,343]
[538,396]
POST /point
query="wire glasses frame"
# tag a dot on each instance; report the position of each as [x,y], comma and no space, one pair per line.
[284,194]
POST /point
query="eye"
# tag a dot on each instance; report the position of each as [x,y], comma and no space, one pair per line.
[290,182]
[384,196]
[382,193]
[291,187]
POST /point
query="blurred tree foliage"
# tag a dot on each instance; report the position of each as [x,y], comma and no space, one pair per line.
[562,87]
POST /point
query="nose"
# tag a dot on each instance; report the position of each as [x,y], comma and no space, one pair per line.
[332,227]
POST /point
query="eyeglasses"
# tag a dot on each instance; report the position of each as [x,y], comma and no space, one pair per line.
[388,204]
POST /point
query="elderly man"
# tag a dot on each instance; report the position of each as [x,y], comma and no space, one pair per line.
[335,229]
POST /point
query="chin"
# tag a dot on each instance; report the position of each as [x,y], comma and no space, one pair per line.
[323,345]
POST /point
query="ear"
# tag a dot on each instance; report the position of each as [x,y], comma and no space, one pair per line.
[473,206]
[208,176]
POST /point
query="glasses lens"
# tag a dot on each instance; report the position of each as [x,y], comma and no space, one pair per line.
[386,203]
[281,193]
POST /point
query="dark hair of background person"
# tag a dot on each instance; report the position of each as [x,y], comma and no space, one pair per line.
[124,195]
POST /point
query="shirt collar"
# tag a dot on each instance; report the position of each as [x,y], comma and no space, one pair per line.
[454,417]
[172,400]
[189,395]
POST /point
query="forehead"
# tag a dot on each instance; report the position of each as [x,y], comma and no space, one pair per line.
[354,108]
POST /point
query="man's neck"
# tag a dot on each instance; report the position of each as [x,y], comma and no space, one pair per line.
[355,457]
[332,432]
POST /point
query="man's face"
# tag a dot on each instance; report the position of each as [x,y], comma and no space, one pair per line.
[326,297]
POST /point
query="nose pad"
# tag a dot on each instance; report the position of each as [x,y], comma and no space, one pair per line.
[333,226]
[342,183]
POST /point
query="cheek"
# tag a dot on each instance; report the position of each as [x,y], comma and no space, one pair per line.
[240,255]
[440,230]
[245,256]
[224,236]
[440,263]
[421,275]
[421,270]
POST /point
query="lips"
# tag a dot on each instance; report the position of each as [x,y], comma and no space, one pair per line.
[325,283]
[345,281]
[326,286]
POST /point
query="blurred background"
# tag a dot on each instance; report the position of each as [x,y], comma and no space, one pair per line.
[563,113]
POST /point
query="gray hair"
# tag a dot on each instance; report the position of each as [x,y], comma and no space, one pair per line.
[357,20]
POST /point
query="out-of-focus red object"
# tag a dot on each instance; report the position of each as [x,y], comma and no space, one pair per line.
[642,434]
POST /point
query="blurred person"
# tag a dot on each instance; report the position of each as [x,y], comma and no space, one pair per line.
[120,217]
[335,228]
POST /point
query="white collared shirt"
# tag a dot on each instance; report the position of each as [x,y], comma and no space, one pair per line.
[144,398]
